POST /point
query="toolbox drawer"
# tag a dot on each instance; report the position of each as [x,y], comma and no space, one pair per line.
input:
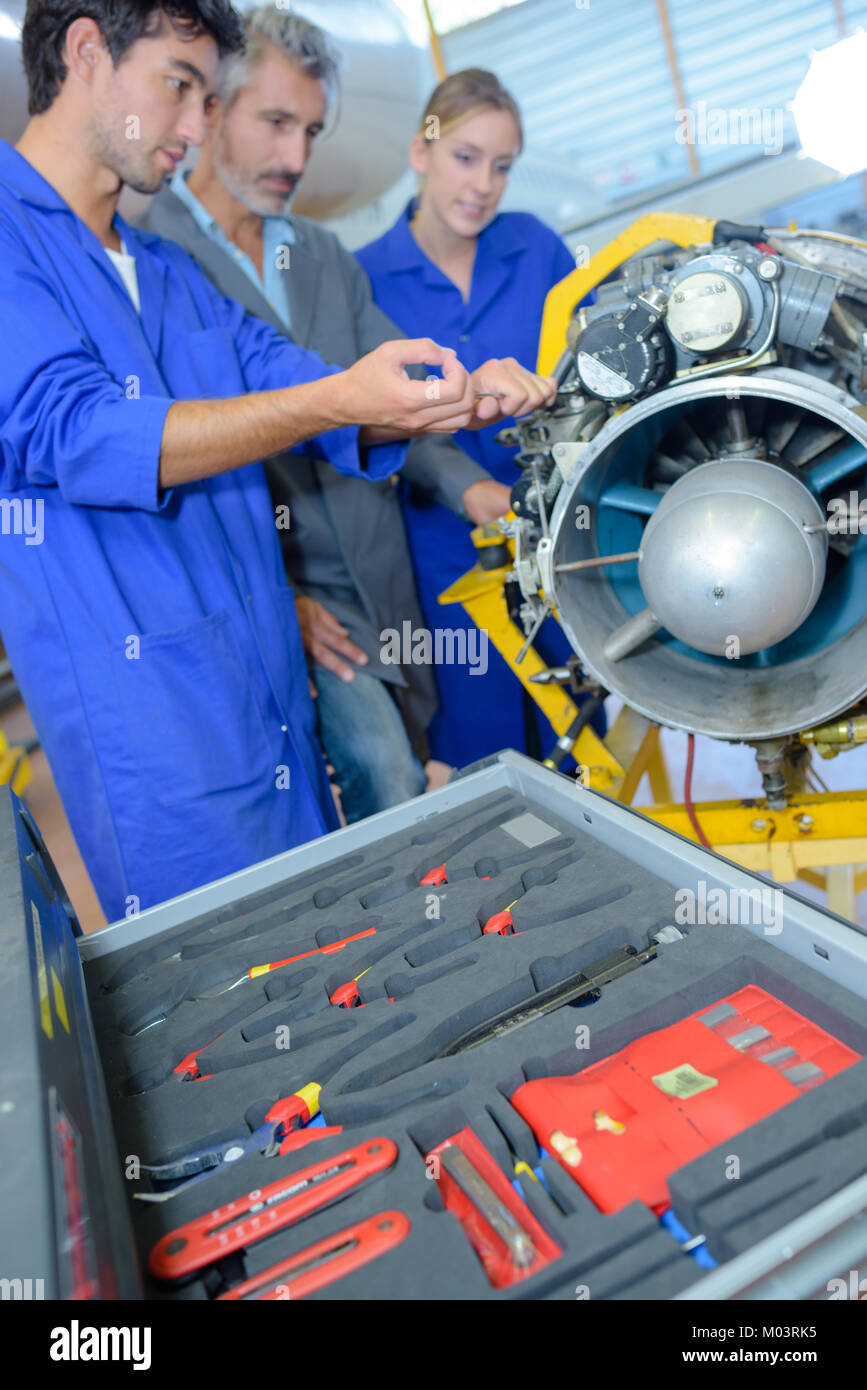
[162,1036]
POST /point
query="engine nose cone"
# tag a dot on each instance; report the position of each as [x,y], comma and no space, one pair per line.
[725,556]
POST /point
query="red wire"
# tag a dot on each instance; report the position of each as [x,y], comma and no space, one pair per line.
[687,792]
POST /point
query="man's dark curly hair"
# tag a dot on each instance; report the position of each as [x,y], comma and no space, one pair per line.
[121,23]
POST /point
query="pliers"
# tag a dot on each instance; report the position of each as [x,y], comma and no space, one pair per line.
[274,1135]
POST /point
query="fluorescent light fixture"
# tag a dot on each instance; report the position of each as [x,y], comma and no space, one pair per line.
[414,21]
[830,106]
[449,15]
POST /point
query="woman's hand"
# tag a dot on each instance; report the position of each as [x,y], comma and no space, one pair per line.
[518,391]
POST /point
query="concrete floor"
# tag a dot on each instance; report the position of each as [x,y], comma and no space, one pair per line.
[45,807]
[721,771]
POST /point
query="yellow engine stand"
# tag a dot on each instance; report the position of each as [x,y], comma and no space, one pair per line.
[615,764]
[14,766]
[820,839]
[677,227]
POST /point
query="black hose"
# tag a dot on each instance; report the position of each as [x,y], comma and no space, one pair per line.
[564,745]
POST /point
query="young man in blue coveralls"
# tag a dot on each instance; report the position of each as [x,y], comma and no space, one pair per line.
[143,600]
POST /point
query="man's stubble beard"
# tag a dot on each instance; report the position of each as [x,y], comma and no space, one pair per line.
[242,184]
[240,188]
[125,158]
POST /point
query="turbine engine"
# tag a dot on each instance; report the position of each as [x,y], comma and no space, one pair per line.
[692,505]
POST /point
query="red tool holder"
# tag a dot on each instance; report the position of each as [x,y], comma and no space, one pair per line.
[434,877]
[75,1221]
[501,924]
[621,1126]
[488,1245]
[188,1068]
[251,1218]
[346,996]
[295,1111]
[326,1261]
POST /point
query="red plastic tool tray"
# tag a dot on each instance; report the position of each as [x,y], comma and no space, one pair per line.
[621,1126]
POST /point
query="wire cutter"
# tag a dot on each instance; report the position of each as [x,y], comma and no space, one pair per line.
[275,1133]
[274,1136]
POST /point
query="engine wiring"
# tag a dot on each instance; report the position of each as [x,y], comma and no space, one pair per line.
[687,792]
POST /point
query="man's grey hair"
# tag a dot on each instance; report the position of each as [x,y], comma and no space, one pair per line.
[295,37]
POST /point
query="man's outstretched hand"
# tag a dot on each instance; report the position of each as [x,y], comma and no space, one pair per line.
[203,438]
[377,393]
[486,500]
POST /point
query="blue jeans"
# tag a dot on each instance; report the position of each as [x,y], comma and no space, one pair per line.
[364,740]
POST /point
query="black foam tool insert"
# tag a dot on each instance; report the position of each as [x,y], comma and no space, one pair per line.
[572,900]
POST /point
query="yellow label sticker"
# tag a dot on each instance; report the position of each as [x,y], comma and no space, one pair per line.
[41,976]
[59,1001]
[566,1146]
[683,1081]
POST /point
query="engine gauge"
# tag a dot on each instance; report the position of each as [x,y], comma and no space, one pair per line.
[620,357]
[706,311]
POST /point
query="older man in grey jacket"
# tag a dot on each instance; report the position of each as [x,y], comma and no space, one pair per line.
[343,539]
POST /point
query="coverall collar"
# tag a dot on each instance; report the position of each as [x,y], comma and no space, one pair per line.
[498,244]
[500,240]
[18,174]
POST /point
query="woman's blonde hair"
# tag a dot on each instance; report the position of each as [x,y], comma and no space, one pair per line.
[464,94]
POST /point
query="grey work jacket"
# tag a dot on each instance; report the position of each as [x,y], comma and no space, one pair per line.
[346,528]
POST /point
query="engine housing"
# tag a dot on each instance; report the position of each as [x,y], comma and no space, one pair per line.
[732,604]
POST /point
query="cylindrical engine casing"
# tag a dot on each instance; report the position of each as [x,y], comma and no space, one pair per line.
[667,682]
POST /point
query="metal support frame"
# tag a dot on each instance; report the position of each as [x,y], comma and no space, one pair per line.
[819,839]
[677,227]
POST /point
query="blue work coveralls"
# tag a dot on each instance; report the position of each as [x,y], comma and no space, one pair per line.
[151,632]
[518,260]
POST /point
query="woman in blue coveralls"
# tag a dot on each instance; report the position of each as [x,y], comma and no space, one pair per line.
[476,281]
